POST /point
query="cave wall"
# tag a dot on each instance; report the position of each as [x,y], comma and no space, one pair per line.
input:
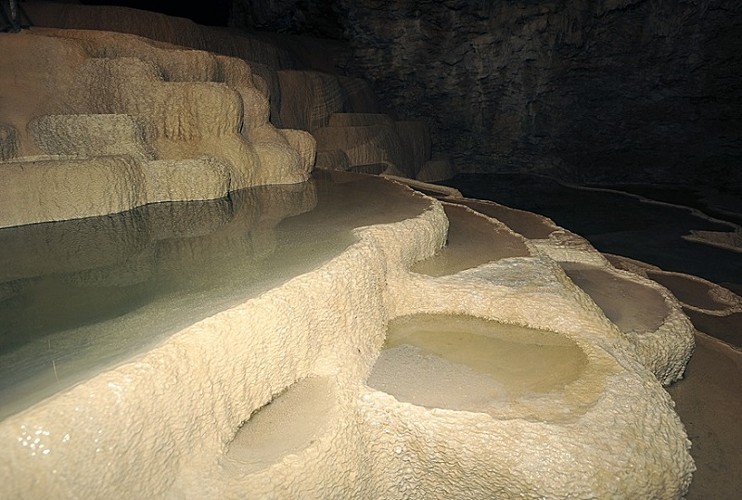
[611,90]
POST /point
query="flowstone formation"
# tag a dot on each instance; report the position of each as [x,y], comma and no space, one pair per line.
[101,123]
[310,386]
[300,75]
[177,420]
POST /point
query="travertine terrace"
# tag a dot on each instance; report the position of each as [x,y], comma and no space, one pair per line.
[117,121]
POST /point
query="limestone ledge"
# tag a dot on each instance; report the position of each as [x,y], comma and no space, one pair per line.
[96,122]
[299,98]
[56,188]
[664,350]
[159,426]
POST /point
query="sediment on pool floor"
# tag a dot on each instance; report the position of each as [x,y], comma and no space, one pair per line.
[472,240]
[461,362]
[287,425]
[632,306]
[528,224]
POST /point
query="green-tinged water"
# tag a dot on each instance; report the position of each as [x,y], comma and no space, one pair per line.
[78,296]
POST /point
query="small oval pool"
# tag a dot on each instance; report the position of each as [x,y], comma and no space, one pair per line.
[463,362]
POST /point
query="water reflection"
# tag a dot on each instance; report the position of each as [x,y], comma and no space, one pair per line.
[79,295]
[613,222]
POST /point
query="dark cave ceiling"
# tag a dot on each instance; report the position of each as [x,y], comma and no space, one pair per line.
[212,13]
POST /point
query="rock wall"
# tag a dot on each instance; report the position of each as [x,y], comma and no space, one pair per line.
[301,76]
[610,90]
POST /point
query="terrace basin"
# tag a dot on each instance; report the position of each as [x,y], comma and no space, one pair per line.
[462,362]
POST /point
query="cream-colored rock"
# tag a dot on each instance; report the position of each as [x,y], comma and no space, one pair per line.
[36,73]
[90,135]
[652,320]
[175,64]
[237,74]
[88,94]
[169,422]
[48,190]
[696,294]
[660,334]
[278,163]
[327,91]
[163,424]
[182,180]
[305,144]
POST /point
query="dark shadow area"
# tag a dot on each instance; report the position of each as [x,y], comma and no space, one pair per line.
[213,13]
[614,222]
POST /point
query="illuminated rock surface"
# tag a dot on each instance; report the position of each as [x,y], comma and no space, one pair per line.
[707,398]
[130,121]
[105,277]
[299,77]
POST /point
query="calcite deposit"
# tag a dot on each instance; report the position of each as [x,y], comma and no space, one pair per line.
[281,389]
[98,122]
[184,402]
[300,76]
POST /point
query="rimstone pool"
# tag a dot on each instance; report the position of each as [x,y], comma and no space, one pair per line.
[467,363]
[81,295]
[346,337]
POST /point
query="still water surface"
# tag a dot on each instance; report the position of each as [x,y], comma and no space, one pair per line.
[79,296]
